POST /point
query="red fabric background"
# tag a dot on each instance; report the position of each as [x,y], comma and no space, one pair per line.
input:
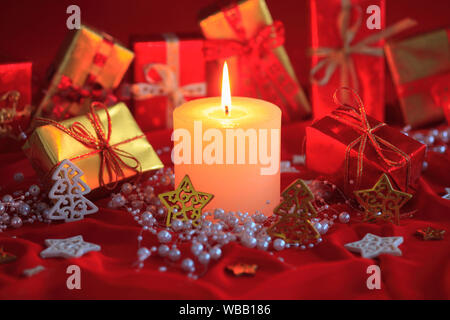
[33,31]
[328,271]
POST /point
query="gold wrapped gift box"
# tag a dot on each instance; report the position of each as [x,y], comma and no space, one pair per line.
[48,146]
[88,53]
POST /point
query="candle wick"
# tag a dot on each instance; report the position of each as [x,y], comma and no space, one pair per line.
[227,110]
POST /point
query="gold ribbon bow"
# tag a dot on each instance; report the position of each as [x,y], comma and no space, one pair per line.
[342,57]
[357,119]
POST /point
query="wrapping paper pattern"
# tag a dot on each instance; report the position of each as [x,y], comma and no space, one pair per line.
[48,146]
[417,64]
[91,59]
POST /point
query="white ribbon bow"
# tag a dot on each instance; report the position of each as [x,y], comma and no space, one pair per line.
[168,86]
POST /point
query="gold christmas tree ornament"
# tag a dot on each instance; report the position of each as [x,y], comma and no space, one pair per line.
[382,202]
[185,203]
[295,213]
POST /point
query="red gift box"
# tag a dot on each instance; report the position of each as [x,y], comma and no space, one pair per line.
[345,52]
[167,72]
[353,150]
[15,103]
[441,95]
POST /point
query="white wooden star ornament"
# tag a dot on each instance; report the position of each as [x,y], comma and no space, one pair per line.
[73,247]
[371,246]
[447,196]
[68,194]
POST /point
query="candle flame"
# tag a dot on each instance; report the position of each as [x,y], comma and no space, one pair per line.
[226,93]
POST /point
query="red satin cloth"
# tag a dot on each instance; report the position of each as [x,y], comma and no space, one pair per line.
[328,271]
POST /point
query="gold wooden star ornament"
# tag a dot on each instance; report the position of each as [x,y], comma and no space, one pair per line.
[185,203]
[242,269]
[430,233]
[6,257]
[382,201]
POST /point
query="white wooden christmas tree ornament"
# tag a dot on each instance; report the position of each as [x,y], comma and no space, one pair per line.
[68,194]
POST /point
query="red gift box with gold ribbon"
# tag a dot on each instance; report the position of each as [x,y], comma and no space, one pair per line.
[15,103]
[353,149]
[345,52]
[168,71]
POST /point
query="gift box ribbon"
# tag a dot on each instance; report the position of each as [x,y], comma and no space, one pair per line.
[257,62]
[163,80]
[69,92]
[358,121]
[8,112]
[99,142]
[342,57]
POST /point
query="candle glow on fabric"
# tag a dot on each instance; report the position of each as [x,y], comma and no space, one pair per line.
[230,147]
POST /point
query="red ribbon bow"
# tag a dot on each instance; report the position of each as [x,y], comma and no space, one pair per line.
[257,61]
[111,156]
[268,38]
[358,120]
[69,92]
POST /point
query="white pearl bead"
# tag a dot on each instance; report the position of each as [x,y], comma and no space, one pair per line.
[196,248]
[34,190]
[344,217]
[163,250]
[7,198]
[18,177]
[215,252]
[23,208]
[164,236]
[262,245]
[248,241]
[319,227]
[143,253]
[279,244]
[325,227]
[204,257]
[188,265]
[126,188]
[174,254]
[16,222]
[177,225]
